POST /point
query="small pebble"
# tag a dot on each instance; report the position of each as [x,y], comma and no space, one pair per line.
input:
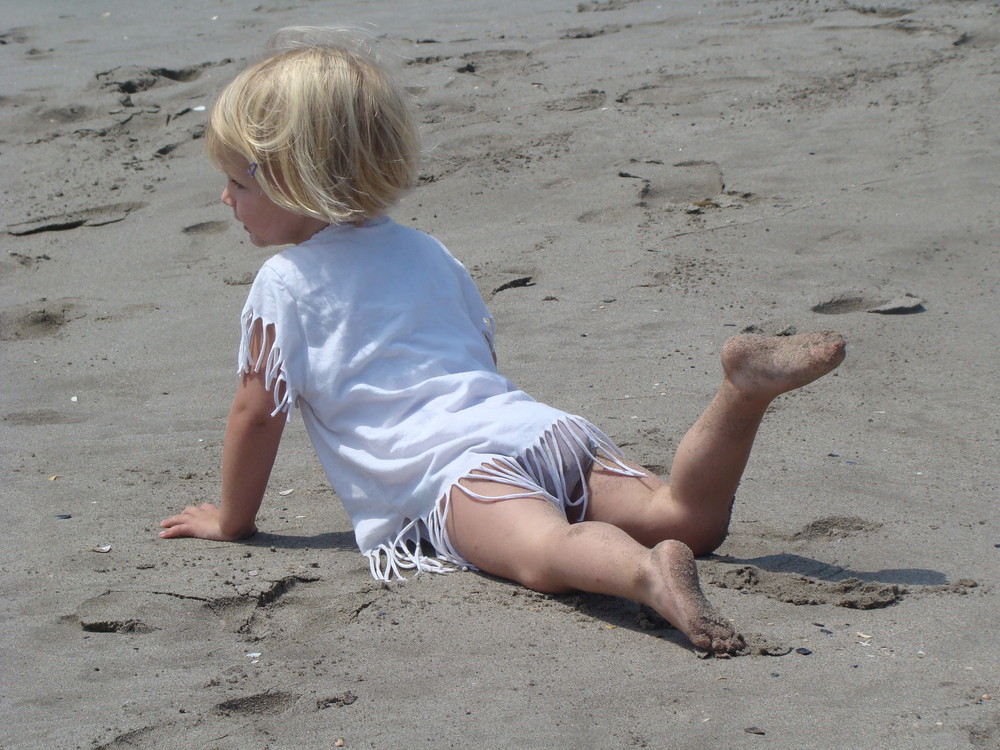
[803,651]
[64,515]
[754,730]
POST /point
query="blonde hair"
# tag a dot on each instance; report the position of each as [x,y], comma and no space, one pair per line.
[329,130]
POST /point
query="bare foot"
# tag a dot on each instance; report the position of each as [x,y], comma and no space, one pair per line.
[766,366]
[679,599]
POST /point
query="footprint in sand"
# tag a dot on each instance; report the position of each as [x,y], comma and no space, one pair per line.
[879,12]
[660,96]
[66,114]
[771,328]
[207,227]
[589,33]
[493,62]
[851,593]
[685,182]
[600,5]
[131,79]
[825,584]
[126,612]
[427,59]
[22,260]
[14,36]
[679,89]
[36,319]
[664,187]
[142,612]
[581,102]
[89,217]
[259,703]
[607,215]
[40,417]
[906,304]
[836,527]
[688,274]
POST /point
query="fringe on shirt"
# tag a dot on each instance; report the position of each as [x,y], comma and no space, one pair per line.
[551,468]
[269,360]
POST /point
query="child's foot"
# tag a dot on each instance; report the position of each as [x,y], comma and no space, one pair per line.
[681,601]
[763,367]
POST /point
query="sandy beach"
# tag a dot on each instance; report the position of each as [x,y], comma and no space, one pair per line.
[630,182]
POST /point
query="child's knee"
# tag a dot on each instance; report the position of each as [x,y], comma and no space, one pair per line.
[707,538]
[702,531]
[708,544]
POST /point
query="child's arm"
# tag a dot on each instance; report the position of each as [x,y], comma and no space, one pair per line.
[251,443]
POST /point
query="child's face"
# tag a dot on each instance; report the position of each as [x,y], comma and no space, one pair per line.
[265,222]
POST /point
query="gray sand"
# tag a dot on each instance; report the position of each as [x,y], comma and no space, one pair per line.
[663,174]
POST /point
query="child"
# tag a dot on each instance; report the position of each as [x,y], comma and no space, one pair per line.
[380,338]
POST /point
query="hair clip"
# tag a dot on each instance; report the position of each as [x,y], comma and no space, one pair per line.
[252,169]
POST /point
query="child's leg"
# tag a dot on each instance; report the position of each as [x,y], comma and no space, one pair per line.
[529,540]
[709,461]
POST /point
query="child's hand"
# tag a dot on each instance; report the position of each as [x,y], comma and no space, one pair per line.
[201,521]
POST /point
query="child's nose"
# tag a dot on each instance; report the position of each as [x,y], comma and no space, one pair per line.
[227,199]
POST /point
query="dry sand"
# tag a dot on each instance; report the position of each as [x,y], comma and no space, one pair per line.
[664,174]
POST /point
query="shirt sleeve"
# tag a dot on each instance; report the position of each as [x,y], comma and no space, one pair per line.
[282,354]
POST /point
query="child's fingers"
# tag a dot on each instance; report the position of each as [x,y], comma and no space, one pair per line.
[176,526]
[179,518]
[172,521]
[188,522]
[172,528]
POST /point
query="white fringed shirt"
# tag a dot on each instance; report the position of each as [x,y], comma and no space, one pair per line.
[383,342]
